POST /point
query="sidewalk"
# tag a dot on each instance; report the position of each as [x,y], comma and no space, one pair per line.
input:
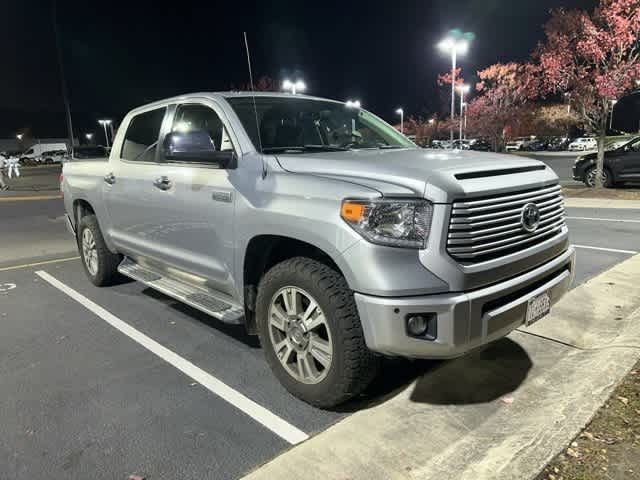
[500,413]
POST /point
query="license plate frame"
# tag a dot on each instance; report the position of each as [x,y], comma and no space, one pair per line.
[537,308]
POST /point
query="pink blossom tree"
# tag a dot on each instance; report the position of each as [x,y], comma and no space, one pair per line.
[498,111]
[593,58]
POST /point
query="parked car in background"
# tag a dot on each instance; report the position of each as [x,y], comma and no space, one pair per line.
[583,144]
[53,156]
[462,144]
[517,144]
[621,165]
[480,145]
[557,144]
[322,230]
[90,152]
[536,145]
[34,153]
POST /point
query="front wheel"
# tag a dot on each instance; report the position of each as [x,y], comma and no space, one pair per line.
[100,264]
[591,175]
[310,330]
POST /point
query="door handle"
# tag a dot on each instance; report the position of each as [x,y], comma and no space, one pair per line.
[109,178]
[163,183]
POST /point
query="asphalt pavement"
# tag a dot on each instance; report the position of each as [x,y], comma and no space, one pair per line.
[109,382]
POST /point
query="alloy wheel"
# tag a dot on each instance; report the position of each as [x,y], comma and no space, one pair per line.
[300,335]
[89,251]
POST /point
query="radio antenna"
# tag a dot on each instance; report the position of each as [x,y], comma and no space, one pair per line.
[255,109]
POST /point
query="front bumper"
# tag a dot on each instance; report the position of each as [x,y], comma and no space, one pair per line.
[465,320]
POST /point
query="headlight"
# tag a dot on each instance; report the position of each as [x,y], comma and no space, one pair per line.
[396,223]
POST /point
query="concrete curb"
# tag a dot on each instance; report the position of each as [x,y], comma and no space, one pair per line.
[501,413]
[600,203]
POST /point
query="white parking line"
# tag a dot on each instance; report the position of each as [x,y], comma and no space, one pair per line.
[260,414]
[614,250]
[622,220]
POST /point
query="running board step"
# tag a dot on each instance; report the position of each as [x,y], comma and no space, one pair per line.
[216,304]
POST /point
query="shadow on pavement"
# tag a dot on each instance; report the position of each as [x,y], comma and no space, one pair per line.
[237,332]
[480,377]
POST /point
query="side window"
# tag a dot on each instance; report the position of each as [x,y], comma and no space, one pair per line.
[193,118]
[29,152]
[141,137]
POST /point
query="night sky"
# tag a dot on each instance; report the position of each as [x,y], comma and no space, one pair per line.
[119,55]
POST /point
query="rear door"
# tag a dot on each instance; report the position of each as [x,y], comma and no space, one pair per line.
[128,188]
[629,163]
[198,208]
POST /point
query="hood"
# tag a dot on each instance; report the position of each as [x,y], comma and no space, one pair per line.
[438,175]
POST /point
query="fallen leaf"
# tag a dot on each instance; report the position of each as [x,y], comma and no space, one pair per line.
[507,400]
[624,400]
[574,444]
[587,435]
[572,453]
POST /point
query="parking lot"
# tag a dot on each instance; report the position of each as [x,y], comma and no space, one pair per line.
[105,383]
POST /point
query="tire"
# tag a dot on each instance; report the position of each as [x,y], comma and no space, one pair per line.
[352,366]
[590,177]
[100,264]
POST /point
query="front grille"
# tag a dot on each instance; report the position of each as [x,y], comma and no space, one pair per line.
[485,228]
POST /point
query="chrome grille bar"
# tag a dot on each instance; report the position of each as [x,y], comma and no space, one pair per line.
[484,228]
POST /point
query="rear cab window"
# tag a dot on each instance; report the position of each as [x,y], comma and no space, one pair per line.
[141,138]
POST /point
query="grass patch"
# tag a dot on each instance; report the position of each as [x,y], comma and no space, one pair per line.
[609,447]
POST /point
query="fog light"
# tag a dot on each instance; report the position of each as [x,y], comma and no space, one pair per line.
[422,325]
[417,325]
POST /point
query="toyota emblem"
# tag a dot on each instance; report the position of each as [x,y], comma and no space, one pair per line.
[530,217]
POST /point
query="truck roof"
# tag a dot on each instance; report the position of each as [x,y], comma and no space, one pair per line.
[228,94]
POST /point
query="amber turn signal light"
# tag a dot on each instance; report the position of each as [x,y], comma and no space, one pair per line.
[352,212]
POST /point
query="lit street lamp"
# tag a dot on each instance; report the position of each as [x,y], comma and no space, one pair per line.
[456,43]
[401,113]
[432,121]
[613,104]
[464,105]
[294,87]
[104,124]
[352,103]
[19,136]
[88,136]
[462,89]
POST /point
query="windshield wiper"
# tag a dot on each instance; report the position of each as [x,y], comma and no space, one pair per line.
[304,148]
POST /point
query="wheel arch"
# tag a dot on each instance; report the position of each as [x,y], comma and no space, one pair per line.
[266,250]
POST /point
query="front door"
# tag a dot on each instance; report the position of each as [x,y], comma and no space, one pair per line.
[198,206]
[629,163]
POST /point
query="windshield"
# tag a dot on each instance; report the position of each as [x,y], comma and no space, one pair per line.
[303,124]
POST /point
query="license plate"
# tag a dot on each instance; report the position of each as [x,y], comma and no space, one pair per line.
[537,307]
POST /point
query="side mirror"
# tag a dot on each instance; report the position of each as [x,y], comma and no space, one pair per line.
[196,146]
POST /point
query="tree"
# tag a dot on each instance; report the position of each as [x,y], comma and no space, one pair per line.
[264,84]
[553,120]
[498,111]
[592,57]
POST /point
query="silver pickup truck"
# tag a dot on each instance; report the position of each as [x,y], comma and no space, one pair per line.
[323,230]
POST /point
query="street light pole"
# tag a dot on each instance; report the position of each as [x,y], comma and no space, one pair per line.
[613,104]
[455,43]
[400,112]
[463,89]
[104,124]
[465,119]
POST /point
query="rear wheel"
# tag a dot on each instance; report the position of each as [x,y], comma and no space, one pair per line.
[311,333]
[100,264]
